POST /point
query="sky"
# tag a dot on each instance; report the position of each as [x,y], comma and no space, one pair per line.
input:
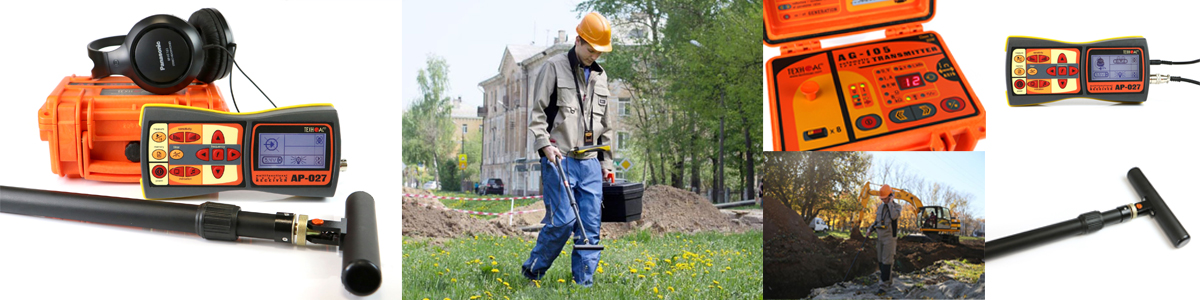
[471,36]
[961,171]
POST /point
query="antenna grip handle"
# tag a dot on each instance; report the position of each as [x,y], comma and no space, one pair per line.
[1158,208]
[361,274]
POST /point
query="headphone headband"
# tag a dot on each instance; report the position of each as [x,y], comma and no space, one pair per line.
[100,60]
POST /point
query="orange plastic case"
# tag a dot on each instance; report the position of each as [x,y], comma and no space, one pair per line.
[90,124]
[903,92]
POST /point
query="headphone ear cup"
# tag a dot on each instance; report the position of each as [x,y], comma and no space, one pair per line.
[214,31]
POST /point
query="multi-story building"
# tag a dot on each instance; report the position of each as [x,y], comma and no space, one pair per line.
[508,152]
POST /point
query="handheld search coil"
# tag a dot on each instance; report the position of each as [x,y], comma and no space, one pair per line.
[355,235]
[1090,222]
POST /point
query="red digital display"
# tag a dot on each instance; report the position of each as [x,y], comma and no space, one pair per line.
[910,81]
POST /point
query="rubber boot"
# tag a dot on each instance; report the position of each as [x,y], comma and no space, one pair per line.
[885,279]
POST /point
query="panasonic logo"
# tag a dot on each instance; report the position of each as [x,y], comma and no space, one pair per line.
[161,66]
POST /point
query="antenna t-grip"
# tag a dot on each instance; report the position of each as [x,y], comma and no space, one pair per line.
[1093,221]
[1162,214]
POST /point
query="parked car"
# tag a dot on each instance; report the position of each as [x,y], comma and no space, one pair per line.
[432,185]
[493,186]
[818,225]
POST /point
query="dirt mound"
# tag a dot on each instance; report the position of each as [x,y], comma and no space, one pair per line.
[796,261]
[665,209]
[423,221]
[912,256]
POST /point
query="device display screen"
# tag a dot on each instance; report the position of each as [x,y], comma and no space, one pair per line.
[1117,67]
[910,81]
[291,150]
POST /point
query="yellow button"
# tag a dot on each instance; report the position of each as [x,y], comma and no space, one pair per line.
[176,154]
[158,137]
[1032,71]
[159,154]
[1019,58]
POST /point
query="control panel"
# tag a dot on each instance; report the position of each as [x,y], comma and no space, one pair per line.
[868,91]
[1041,70]
[191,151]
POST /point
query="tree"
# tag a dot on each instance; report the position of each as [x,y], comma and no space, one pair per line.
[696,80]
[812,182]
[427,124]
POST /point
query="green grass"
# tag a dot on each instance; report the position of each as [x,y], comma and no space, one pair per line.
[969,272]
[638,266]
[481,206]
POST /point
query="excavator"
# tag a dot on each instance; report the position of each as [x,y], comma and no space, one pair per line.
[935,222]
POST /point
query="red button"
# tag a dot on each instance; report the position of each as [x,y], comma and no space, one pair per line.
[1062,71]
[1073,71]
[159,171]
[233,154]
[178,137]
[192,137]
[1062,83]
[1051,71]
[192,171]
[202,154]
[1019,84]
[1062,58]
[178,171]
[218,171]
[218,137]
[218,154]
[1038,58]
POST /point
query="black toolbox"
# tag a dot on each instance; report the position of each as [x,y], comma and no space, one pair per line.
[622,202]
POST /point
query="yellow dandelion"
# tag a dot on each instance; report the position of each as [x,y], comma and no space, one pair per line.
[495,270]
[632,270]
[670,289]
[475,297]
[453,279]
[491,257]
[656,290]
[659,296]
[499,280]
[641,276]
[493,263]
[599,269]
[715,282]
[488,293]
[435,265]
[560,280]
[668,272]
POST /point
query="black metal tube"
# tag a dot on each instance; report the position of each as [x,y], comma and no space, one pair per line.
[1032,238]
[361,274]
[257,225]
[99,209]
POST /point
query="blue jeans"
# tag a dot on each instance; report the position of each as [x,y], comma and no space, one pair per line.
[584,178]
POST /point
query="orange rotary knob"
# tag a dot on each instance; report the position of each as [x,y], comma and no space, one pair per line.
[810,89]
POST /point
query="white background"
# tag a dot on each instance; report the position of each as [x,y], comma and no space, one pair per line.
[340,52]
[1050,163]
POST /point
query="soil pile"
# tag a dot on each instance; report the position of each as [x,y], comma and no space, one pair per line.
[796,261]
[913,254]
[665,209]
[420,220]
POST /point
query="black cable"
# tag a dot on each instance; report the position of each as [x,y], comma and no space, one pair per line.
[1181,79]
[1167,62]
[235,64]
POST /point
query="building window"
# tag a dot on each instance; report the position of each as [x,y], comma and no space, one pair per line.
[623,106]
[464,127]
[622,140]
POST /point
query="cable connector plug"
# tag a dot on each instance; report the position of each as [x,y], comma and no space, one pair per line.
[1159,78]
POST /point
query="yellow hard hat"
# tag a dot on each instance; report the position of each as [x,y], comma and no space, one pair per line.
[885,191]
[596,30]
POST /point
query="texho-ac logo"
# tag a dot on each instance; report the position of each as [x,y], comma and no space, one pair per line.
[806,70]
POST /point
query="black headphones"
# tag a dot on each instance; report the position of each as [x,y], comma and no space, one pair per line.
[163,54]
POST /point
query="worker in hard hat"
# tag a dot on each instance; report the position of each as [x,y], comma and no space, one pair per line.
[571,109]
[886,216]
